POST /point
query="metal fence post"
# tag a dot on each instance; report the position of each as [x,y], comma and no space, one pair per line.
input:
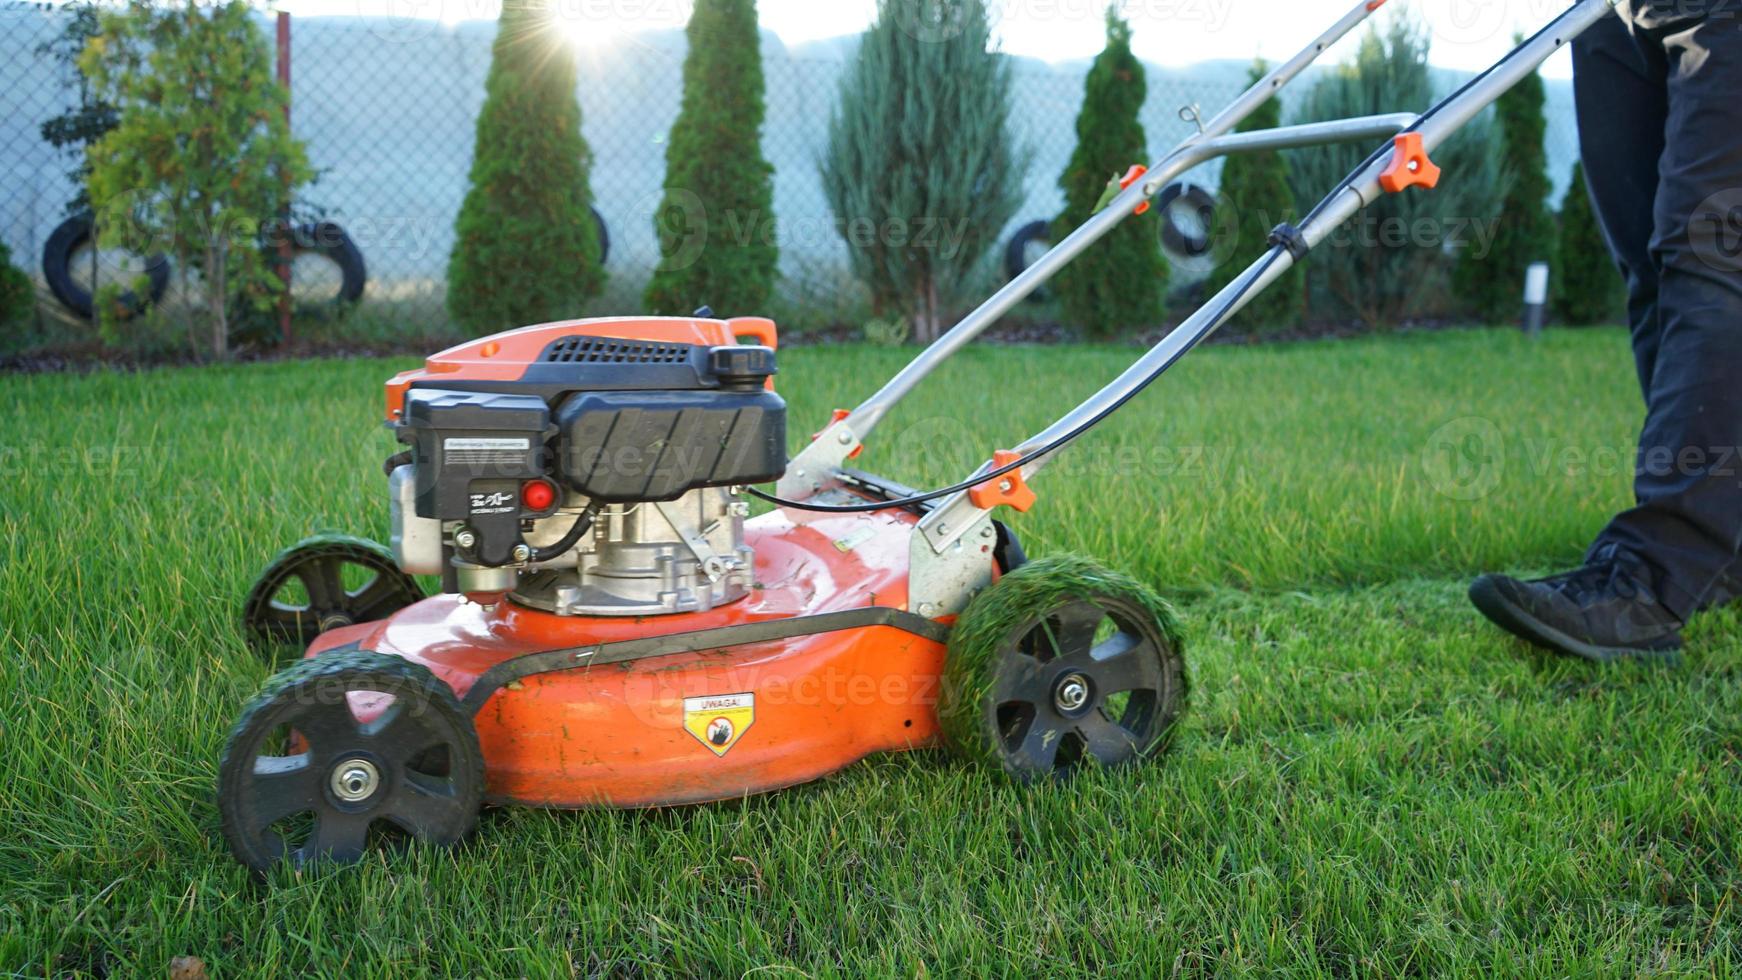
[284,232]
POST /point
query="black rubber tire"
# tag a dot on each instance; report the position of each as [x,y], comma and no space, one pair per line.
[423,747]
[276,631]
[329,241]
[1016,254]
[604,235]
[57,254]
[1180,242]
[1022,639]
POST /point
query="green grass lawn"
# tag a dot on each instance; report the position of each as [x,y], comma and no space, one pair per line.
[1370,781]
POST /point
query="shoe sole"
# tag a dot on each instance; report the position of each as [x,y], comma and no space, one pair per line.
[1508,616]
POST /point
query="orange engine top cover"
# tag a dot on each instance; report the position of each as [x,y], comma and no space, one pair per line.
[506,356]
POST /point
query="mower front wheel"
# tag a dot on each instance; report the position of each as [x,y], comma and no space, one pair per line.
[1059,663]
[345,750]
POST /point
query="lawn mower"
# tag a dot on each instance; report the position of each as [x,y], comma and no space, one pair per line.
[615,629]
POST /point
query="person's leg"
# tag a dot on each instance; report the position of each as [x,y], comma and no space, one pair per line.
[1687,525]
[1621,102]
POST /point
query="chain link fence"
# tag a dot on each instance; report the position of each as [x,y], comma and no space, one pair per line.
[387,108]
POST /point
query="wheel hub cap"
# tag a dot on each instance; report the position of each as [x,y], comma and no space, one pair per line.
[355,780]
[1071,694]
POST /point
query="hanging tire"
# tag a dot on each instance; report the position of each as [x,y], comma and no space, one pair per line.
[1187,215]
[604,234]
[327,240]
[1061,663]
[278,625]
[1025,246]
[67,239]
[338,752]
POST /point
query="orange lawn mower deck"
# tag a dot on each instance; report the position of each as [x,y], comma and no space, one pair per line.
[614,628]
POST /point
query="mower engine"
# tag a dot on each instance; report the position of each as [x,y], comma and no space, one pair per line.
[583,474]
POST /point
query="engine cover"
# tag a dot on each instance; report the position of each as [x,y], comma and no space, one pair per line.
[589,467]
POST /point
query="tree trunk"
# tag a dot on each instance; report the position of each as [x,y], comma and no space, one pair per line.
[215,279]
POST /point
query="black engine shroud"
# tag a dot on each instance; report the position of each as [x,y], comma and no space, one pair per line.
[617,421]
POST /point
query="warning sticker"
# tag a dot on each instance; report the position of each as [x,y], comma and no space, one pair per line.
[719,720]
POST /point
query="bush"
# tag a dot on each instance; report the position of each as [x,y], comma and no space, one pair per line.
[1391,262]
[17,296]
[920,169]
[1589,288]
[1120,283]
[715,175]
[1254,198]
[1491,285]
[526,248]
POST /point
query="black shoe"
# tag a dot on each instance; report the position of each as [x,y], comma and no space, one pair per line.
[1600,612]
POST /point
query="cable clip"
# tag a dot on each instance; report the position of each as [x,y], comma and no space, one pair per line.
[1290,237]
[1409,166]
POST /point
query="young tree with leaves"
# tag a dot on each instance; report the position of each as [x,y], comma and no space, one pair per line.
[1589,289]
[17,295]
[1120,283]
[1492,285]
[1255,197]
[716,222]
[526,247]
[200,154]
[920,169]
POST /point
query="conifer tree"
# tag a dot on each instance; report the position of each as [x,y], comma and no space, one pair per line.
[716,222]
[1255,197]
[1120,283]
[1589,289]
[1491,285]
[526,248]
[920,169]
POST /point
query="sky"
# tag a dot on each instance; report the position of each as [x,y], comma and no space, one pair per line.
[1466,34]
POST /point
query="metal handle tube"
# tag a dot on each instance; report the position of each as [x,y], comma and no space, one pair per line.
[957,512]
[871,411]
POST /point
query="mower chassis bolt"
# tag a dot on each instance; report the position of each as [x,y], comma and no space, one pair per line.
[355,780]
[1071,694]
[522,552]
[465,538]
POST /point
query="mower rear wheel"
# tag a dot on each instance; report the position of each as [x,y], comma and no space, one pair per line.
[338,750]
[323,583]
[1062,663]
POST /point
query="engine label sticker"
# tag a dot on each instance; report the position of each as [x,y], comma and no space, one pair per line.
[854,540]
[719,720]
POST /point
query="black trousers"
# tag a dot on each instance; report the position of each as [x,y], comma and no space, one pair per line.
[1658,89]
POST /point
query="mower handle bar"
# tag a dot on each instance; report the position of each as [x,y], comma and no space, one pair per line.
[954,515]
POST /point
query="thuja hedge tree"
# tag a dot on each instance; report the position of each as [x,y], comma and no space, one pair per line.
[1120,283]
[200,153]
[1391,261]
[920,169]
[526,248]
[1491,285]
[1590,289]
[715,223]
[1254,198]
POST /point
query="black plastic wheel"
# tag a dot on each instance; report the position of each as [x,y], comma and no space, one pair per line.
[1059,663]
[344,750]
[323,583]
